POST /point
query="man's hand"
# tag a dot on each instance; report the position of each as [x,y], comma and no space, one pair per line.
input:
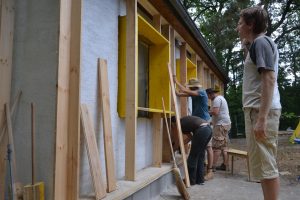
[260,130]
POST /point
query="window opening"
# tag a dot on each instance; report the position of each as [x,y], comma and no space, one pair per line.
[143,77]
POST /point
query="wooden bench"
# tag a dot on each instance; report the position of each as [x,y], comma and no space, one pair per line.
[239,153]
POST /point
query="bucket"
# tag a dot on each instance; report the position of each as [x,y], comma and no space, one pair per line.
[297,140]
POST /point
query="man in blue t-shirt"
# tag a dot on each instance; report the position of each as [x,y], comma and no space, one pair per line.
[199,109]
[199,97]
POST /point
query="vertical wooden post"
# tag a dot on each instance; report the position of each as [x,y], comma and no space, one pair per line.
[157,22]
[183,72]
[131,89]
[6,48]
[157,140]
[157,121]
[66,183]
[194,58]
[200,72]
[169,33]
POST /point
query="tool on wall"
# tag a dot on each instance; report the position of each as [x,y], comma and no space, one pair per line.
[10,154]
[35,191]
[16,187]
[179,182]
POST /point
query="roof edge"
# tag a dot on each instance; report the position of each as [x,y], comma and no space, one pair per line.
[189,23]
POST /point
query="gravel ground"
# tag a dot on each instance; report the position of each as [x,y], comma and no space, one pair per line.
[224,186]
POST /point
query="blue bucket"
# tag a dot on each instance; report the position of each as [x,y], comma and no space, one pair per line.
[297,140]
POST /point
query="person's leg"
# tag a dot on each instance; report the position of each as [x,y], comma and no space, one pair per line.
[216,155]
[225,157]
[270,188]
[203,135]
[192,164]
[192,160]
[200,167]
[217,143]
[262,154]
[210,156]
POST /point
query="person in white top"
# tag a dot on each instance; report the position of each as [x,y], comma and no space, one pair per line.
[221,125]
[261,99]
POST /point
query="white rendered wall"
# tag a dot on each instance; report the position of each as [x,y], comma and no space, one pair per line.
[100,40]
[35,62]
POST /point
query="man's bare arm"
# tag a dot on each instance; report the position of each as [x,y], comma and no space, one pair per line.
[267,89]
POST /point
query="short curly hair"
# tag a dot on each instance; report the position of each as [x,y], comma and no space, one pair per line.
[256,16]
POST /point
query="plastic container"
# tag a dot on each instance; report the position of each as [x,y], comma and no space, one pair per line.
[297,140]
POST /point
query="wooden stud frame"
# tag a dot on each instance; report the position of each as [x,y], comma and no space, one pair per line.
[131,89]
[66,183]
[183,72]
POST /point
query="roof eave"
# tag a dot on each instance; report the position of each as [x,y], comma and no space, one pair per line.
[179,12]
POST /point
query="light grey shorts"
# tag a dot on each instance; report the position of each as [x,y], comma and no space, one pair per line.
[262,154]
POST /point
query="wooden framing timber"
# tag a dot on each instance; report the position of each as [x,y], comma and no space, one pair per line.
[157,140]
[92,152]
[179,132]
[183,72]
[66,181]
[107,131]
[6,50]
[157,22]
[169,33]
[131,89]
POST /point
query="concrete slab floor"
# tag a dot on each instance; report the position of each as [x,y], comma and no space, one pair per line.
[224,186]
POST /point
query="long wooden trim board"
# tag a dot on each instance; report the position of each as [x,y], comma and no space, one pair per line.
[107,132]
[186,172]
[92,151]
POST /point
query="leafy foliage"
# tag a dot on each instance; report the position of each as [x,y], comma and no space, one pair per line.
[217,20]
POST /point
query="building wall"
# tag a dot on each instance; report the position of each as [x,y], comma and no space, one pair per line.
[35,64]
[100,40]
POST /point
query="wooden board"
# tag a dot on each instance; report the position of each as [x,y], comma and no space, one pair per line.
[6,48]
[107,132]
[183,76]
[157,140]
[92,151]
[67,159]
[187,179]
[131,89]
[237,152]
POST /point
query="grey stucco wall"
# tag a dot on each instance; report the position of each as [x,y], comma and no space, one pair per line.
[35,62]
[100,40]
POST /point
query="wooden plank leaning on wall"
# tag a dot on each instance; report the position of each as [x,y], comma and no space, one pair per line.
[6,50]
[66,183]
[107,126]
[131,87]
